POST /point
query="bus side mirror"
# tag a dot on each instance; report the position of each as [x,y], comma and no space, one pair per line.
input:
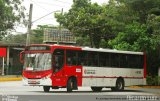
[22,57]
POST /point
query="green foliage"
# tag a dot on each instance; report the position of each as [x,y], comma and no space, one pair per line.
[149,80]
[83,41]
[37,34]
[142,8]
[11,12]
[19,38]
[134,38]
[84,19]
[155,81]
[104,44]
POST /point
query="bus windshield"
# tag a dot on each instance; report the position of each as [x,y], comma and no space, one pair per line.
[38,61]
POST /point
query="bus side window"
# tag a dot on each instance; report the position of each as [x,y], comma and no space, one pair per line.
[93,59]
[85,59]
[123,61]
[141,61]
[58,59]
[132,61]
[71,57]
[136,61]
[82,58]
[104,60]
[114,60]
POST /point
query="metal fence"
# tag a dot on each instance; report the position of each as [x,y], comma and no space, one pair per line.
[54,35]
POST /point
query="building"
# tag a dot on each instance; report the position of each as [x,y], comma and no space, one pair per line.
[56,36]
[9,59]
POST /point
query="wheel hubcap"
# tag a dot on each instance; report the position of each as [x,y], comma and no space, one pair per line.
[71,84]
[119,85]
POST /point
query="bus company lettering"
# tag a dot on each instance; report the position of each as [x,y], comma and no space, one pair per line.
[89,71]
[138,72]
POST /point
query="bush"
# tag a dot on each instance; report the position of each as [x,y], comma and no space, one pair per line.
[153,81]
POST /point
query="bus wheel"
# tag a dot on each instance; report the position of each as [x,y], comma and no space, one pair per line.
[113,88]
[96,89]
[119,85]
[70,85]
[46,88]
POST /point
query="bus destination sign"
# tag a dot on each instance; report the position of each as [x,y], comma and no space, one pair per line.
[38,48]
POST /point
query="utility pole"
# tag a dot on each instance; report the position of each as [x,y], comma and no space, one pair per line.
[3,67]
[29,25]
[60,29]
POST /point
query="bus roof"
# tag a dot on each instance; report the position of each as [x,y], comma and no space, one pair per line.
[57,46]
[112,51]
[89,49]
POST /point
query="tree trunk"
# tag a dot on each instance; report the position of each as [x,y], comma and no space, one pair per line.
[91,40]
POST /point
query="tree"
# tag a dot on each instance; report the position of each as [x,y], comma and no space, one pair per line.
[11,12]
[18,38]
[142,8]
[37,34]
[134,38]
[84,19]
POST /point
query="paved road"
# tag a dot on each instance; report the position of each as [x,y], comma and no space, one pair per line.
[13,88]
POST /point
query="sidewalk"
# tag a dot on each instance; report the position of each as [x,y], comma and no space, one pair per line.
[10,78]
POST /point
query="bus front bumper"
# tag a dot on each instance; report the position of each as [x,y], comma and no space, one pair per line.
[37,82]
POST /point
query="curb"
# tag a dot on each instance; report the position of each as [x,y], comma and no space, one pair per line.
[3,79]
[144,87]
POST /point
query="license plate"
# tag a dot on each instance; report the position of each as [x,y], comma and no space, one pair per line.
[33,82]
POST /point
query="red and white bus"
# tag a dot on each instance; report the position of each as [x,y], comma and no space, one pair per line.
[60,66]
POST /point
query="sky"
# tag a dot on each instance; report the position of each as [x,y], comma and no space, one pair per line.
[44,7]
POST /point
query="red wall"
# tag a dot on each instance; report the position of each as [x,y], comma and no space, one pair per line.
[2,52]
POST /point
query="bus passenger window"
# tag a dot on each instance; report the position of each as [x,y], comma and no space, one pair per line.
[93,59]
[69,62]
[71,58]
[58,59]
[115,60]
[124,61]
[104,59]
[82,58]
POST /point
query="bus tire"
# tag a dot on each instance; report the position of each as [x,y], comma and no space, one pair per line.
[119,85]
[46,88]
[70,85]
[113,89]
[96,89]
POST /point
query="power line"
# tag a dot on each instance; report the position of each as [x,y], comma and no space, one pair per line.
[39,5]
[45,16]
